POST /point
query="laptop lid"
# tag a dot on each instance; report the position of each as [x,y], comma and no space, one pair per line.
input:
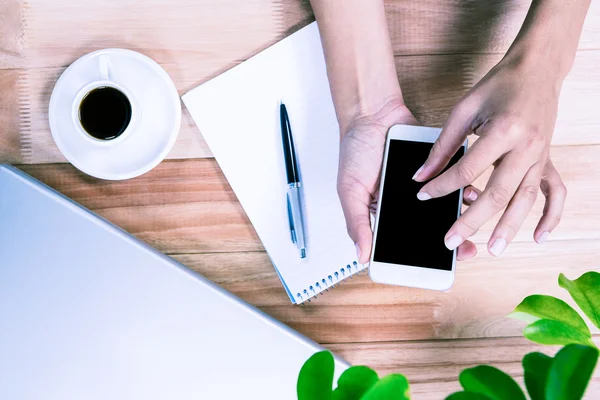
[89,312]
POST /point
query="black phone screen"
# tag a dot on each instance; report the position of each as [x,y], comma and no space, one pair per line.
[410,231]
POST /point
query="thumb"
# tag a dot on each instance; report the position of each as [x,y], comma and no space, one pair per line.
[451,138]
[356,207]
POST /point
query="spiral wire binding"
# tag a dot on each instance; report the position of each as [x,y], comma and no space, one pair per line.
[330,282]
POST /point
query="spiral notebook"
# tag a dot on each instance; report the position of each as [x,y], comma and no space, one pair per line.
[238,115]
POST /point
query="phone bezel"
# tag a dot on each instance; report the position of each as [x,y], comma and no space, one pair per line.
[410,275]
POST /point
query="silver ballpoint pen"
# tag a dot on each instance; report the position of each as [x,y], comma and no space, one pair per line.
[294,194]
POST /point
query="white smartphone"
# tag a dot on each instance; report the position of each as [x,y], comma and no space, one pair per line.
[408,242]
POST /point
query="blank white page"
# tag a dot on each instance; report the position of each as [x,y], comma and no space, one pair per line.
[238,115]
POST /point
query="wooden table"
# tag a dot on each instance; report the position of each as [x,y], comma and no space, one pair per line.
[186,209]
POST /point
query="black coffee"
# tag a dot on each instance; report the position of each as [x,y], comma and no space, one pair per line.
[105,113]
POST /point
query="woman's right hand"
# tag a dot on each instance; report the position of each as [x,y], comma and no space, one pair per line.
[361,157]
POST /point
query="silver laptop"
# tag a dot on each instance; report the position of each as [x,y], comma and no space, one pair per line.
[89,312]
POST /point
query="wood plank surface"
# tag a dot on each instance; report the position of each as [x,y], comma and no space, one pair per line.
[179,207]
[467,26]
[11,33]
[166,32]
[189,33]
[358,310]
[185,208]
[431,84]
[450,27]
[10,118]
[435,73]
[207,32]
[432,367]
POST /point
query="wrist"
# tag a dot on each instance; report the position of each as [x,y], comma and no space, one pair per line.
[361,87]
[364,108]
[549,37]
[389,113]
[541,57]
[360,60]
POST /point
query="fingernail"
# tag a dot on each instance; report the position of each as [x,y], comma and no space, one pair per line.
[416,175]
[453,242]
[543,237]
[358,252]
[423,196]
[497,248]
[472,195]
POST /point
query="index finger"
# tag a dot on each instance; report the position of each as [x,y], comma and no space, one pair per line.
[453,135]
[475,162]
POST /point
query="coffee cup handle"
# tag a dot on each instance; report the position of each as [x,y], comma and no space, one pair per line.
[105,68]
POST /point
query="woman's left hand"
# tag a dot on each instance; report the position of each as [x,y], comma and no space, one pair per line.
[513,111]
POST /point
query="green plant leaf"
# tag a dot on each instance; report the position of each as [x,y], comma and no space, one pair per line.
[392,387]
[585,290]
[491,382]
[538,306]
[467,396]
[354,382]
[546,331]
[338,395]
[570,372]
[315,381]
[536,367]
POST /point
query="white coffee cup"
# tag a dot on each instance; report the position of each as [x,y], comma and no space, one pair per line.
[105,79]
[152,129]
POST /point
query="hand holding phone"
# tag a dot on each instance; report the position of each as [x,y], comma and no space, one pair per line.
[408,243]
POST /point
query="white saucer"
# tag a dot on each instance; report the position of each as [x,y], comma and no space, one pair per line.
[145,143]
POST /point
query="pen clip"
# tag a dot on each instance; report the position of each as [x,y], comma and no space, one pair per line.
[291,219]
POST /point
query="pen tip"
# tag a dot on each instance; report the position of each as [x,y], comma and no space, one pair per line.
[302,253]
